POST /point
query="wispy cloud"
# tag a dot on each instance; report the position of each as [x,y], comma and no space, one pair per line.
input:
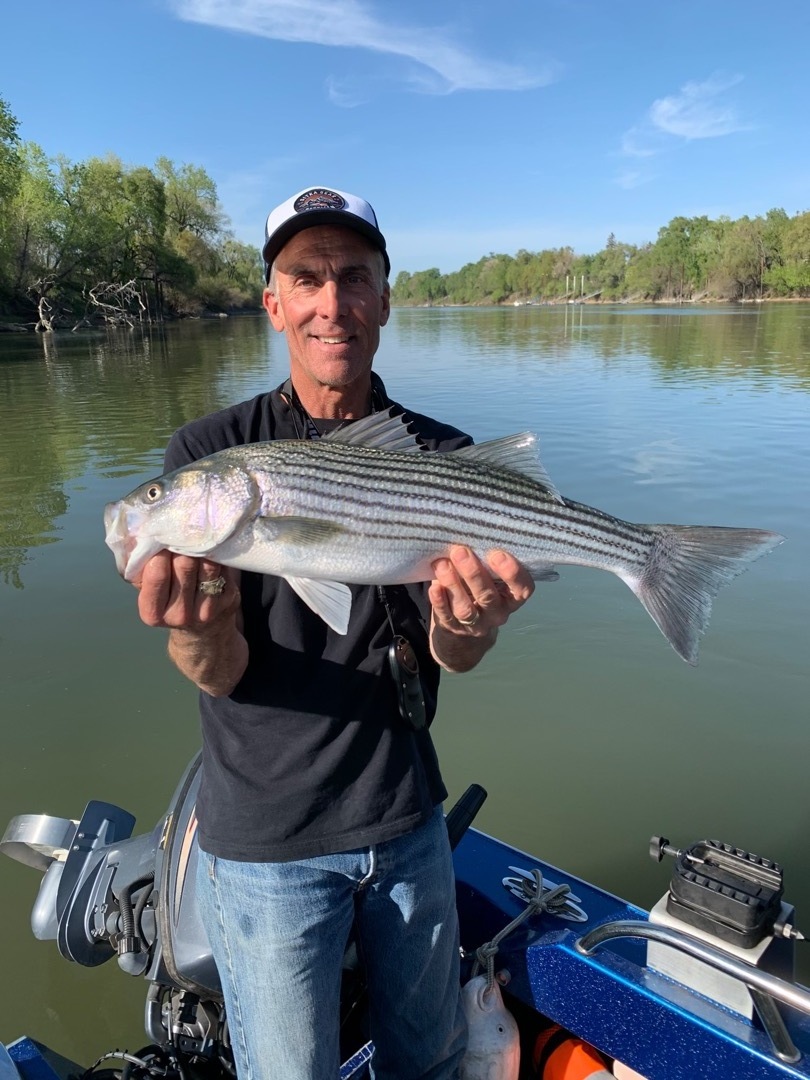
[443,66]
[347,93]
[629,179]
[693,113]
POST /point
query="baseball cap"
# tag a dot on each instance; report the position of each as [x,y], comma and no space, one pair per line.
[319,206]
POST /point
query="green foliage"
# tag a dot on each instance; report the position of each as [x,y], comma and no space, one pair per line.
[68,228]
[191,199]
[9,155]
[692,258]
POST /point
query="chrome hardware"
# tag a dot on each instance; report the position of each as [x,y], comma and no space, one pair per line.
[572,912]
[762,986]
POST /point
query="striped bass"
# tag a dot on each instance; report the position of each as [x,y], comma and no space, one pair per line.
[367,504]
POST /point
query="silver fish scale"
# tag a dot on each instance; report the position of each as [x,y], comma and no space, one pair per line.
[425,500]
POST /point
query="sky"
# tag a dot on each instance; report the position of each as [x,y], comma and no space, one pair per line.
[472,127]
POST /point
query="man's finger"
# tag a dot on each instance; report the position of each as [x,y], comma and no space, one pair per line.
[155,588]
[513,574]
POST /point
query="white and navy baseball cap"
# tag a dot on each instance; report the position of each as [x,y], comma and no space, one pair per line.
[319,206]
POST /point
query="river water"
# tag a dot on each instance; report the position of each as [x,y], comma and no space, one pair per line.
[589,733]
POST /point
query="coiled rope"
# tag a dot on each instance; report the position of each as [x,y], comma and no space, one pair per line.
[538,899]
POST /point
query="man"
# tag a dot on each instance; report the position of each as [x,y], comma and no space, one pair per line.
[320,807]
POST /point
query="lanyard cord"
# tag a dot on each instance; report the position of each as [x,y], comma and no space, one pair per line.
[290,396]
[383,596]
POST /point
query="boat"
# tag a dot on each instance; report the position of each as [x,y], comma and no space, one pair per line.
[702,985]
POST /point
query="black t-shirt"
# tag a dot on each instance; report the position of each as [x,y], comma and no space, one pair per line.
[309,755]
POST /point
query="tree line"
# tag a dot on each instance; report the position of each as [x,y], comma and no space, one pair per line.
[692,259]
[98,240]
[103,241]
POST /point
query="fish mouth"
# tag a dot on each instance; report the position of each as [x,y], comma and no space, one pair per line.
[131,554]
[117,536]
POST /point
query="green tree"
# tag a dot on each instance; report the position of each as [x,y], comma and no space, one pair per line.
[10,177]
[10,165]
[191,199]
[677,256]
[741,259]
[32,225]
[792,275]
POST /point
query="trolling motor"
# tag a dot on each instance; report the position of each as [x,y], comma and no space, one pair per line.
[108,894]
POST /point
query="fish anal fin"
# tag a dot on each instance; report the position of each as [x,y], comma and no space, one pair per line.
[542,571]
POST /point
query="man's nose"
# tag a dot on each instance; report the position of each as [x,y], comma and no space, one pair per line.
[331,300]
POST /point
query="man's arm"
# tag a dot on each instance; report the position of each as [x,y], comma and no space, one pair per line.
[205,632]
[470,601]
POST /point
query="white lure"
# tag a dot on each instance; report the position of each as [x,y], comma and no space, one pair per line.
[493,1046]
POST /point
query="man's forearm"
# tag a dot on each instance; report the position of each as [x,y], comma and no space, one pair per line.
[214,659]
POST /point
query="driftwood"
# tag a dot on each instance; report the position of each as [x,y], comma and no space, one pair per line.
[115,303]
[39,290]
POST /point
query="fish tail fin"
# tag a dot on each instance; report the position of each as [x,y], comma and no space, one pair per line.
[687,567]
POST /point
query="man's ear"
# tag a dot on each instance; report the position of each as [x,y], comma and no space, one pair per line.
[385,312]
[273,308]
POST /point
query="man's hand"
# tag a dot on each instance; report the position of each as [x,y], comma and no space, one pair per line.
[205,629]
[169,592]
[470,600]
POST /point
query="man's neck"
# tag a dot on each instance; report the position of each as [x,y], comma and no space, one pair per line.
[335,403]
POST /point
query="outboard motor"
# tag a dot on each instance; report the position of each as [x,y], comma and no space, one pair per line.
[105,893]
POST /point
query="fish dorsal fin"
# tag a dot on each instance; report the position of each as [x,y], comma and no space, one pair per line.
[515,453]
[329,599]
[383,430]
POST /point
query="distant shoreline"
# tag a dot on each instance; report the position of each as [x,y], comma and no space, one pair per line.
[671,302]
[11,326]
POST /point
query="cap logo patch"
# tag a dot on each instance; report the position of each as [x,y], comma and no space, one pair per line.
[318,199]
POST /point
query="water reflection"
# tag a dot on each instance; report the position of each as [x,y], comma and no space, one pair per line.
[104,403]
[755,341]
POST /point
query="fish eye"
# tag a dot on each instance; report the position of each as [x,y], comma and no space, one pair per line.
[153,492]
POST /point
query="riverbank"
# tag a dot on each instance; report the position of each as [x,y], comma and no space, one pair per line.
[705,301]
[14,326]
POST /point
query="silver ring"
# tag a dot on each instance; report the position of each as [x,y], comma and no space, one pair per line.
[476,615]
[212,588]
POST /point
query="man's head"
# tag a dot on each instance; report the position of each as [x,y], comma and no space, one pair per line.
[320,206]
[328,293]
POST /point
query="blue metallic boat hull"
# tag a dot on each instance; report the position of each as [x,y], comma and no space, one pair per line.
[611,999]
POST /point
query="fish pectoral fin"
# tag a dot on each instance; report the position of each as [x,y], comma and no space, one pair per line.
[330,599]
[297,530]
[515,453]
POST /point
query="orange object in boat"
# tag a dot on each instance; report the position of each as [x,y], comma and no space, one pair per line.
[559,1055]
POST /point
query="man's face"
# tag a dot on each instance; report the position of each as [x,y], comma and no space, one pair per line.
[330,301]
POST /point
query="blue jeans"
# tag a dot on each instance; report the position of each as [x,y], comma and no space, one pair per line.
[279,931]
